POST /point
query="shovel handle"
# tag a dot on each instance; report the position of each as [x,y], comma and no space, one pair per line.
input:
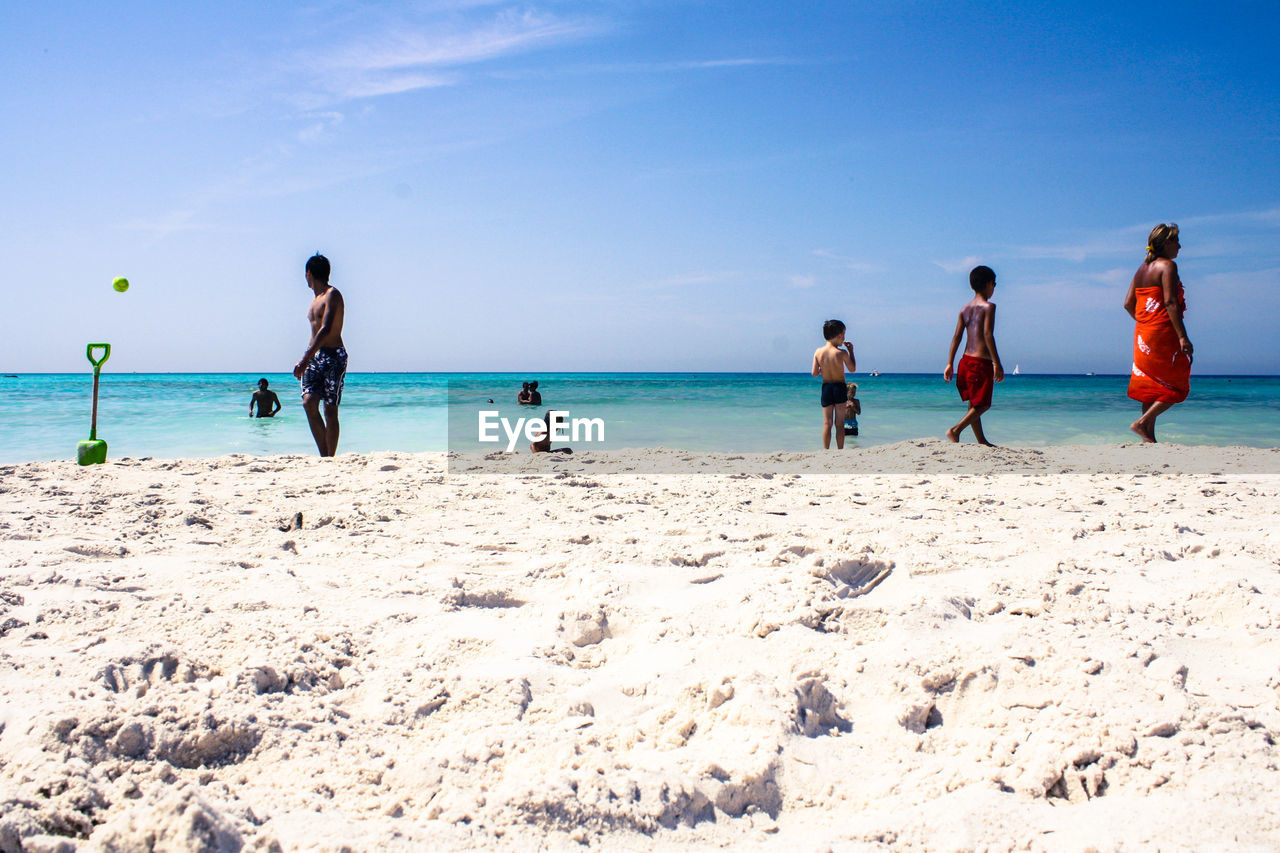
[98,362]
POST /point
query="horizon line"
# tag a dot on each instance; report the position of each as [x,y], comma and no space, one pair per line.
[866,375]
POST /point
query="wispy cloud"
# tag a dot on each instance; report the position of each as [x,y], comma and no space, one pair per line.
[1109,244]
[1252,287]
[614,292]
[682,66]
[373,85]
[407,55]
[1111,278]
[956,266]
[1224,232]
[676,66]
[1267,216]
[272,172]
[1080,297]
[694,279]
[320,124]
[165,224]
[802,281]
[849,263]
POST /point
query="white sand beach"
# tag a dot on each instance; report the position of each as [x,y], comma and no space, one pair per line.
[1059,649]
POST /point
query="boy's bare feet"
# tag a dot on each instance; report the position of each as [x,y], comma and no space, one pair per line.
[954,435]
[1140,428]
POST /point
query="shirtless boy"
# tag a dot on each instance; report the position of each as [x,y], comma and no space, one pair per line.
[980,367]
[323,367]
[829,362]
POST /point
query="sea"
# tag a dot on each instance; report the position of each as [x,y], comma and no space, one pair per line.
[169,415]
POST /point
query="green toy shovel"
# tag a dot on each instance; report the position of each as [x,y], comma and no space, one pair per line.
[94,451]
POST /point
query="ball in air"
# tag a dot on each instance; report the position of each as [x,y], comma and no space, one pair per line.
[121,284]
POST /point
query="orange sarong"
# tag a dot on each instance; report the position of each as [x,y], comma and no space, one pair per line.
[1161,370]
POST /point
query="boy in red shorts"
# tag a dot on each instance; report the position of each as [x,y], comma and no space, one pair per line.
[980,367]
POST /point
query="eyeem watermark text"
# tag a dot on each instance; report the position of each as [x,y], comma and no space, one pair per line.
[492,427]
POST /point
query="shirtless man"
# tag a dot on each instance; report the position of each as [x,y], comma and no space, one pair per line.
[980,367]
[265,400]
[829,362]
[323,367]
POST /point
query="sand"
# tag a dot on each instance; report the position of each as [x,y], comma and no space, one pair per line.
[1022,649]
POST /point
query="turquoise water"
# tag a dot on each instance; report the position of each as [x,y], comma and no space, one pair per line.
[43,416]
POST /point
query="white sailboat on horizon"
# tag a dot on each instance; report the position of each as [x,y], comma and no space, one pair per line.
[1017,369]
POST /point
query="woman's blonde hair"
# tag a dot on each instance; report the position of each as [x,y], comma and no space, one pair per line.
[1160,235]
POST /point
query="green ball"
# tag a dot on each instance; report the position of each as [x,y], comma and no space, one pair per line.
[121,284]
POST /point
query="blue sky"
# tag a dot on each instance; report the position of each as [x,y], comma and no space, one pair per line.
[632,185]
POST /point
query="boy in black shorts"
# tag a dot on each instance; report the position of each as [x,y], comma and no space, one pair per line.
[830,362]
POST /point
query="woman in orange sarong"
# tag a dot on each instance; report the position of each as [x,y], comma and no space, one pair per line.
[1162,352]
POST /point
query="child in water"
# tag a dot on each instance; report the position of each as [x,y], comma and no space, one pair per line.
[852,408]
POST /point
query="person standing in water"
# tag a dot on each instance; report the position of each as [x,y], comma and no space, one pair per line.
[852,408]
[265,400]
[323,367]
[1162,352]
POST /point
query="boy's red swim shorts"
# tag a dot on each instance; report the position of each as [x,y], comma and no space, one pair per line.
[976,380]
